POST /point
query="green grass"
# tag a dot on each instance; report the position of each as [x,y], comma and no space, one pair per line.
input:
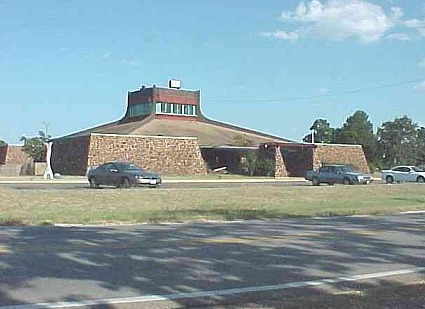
[85,206]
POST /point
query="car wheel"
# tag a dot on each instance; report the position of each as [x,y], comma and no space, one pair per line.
[330,183]
[125,183]
[315,181]
[389,179]
[93,183]
[346,181]
[421,179]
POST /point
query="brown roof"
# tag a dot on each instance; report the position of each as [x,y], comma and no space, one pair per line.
[208,132]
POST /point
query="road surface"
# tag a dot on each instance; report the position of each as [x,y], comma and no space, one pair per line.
[206,263]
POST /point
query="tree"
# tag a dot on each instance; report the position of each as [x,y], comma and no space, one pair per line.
[398,141]
[323,133]
[358,129]
[260,163]
[34,146]
[251,162]
[420,146]
[2,142]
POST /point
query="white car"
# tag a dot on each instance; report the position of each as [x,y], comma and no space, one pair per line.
[403,173]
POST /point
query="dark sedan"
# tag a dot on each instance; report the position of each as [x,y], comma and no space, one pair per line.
[123,175]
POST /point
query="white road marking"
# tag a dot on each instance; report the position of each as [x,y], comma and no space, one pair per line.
[170,297]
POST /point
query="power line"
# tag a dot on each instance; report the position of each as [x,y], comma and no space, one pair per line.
[318,96]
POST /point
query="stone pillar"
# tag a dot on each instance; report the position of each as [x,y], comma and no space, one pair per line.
[317,163]
[279,167]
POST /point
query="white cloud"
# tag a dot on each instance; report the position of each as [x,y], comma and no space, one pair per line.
[420,86]
[341,19]
[130,62]
[280,34]
[417,24]
[398,36]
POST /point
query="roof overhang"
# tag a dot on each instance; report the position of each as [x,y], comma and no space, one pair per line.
[289,145]
[225,147]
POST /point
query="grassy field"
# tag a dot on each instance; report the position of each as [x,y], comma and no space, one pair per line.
[86,206]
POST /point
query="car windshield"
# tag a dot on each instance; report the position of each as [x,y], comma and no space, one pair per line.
[417,169]
[128,167]
[345,169]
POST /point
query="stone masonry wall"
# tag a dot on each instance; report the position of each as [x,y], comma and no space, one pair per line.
[352,155]
[316,160]
[69,155]
[13,161]
[280,167]
[165,155]
[15,155]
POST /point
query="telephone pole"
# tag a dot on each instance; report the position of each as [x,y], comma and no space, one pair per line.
[46,126]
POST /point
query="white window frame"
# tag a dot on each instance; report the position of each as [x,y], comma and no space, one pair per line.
[161,109]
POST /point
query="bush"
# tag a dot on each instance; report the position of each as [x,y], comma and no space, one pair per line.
[260,163]
[34,146]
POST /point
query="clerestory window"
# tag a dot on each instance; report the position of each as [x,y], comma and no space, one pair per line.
[175,109]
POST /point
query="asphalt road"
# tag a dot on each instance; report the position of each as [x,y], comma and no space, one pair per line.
[205,263]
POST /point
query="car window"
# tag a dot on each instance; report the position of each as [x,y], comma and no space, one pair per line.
[406,169]
[399,169]
[102,167]
[128,167]
[417,169]
[345,169]
[332,169]
[324,169]
[110,166]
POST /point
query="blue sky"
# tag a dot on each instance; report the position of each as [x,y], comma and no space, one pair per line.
[272,66]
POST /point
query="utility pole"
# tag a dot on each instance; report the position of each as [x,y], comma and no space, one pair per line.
[46,126]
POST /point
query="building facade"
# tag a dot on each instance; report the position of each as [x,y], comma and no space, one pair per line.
[164,130]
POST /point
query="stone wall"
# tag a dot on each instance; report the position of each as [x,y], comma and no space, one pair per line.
[351,155]
[280,167]
[15,155]
[69,155]
[316,160]
[10,170]
[165,155]
[13,160]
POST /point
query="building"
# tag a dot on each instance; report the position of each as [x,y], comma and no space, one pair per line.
[13,160]
[165,130]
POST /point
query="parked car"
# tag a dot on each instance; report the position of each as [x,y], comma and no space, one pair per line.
[122,174]
[403,173]
[332,174]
